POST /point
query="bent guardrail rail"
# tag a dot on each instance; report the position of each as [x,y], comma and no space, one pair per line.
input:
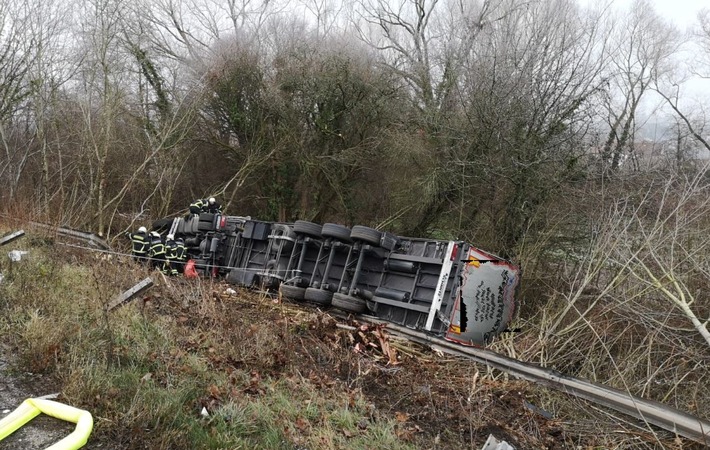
[32,407]
[647,411]
[89,238]
[11,237]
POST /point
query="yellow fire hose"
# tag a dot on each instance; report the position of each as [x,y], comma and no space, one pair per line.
[32,407]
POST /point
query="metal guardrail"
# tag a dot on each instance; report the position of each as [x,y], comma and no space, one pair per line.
[86,237]
[648,411]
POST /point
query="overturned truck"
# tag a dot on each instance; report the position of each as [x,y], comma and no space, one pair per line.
[447,288]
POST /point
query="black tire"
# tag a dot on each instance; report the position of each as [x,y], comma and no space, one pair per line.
[205,226]
[292,292]
[162,225]
[336,231]
[307,228]
[366,234]
[267,282]
[348,303]
[318,296]
[207,217]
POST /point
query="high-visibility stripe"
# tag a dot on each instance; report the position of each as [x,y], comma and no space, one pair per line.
[440,285]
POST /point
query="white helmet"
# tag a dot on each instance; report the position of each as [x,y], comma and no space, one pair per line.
[142,230]
[155,233]
[211,200]
[171,237]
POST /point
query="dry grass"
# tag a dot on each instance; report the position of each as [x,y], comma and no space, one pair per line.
[274,375]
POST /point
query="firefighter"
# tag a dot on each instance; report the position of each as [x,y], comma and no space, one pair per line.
[181,254]
[140,244]
[213,206]
[208,205]
[171,255]
[197,207]
[156,252]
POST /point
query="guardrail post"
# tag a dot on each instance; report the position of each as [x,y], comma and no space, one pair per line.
[129,294]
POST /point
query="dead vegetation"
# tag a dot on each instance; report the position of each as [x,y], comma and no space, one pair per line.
[200,364]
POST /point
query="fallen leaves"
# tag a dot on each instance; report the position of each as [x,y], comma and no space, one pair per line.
[372,341]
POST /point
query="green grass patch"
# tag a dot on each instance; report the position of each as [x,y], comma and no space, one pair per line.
[146,373]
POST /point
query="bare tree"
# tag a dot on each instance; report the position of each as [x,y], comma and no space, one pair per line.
[18,51]
[52,69]
[645,45]
[423,41]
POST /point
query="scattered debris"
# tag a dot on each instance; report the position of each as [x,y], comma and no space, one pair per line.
[372,339]
[538,410]
[11,237]
[16,255]
[494,444]
[132,292]
[50,396]
[204,412]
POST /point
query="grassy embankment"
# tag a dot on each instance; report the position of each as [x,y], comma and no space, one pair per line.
[145,371]
[273,375]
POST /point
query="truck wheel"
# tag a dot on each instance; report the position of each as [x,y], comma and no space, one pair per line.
[307,228]
[318,296]
[335,231]
[292,292]
[207,217]
[348,303]
[285,244]
[161,225]
[366,234]
[205,226]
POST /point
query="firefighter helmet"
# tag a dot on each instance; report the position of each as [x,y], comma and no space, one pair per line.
[142,230]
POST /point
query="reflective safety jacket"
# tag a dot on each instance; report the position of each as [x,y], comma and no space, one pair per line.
[202,205]
[157,248]
[181,249]
[171,250]
[140,243]
[198,206]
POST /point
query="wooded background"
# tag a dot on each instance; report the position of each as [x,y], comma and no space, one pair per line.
[510,124]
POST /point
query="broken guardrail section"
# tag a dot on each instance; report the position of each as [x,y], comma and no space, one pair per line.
[32,407]
[129,294]
[11,237]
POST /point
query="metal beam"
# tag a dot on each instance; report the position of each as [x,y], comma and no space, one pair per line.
[11,237]
[132,292]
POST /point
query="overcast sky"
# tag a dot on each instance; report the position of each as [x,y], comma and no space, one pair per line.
[682,12]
